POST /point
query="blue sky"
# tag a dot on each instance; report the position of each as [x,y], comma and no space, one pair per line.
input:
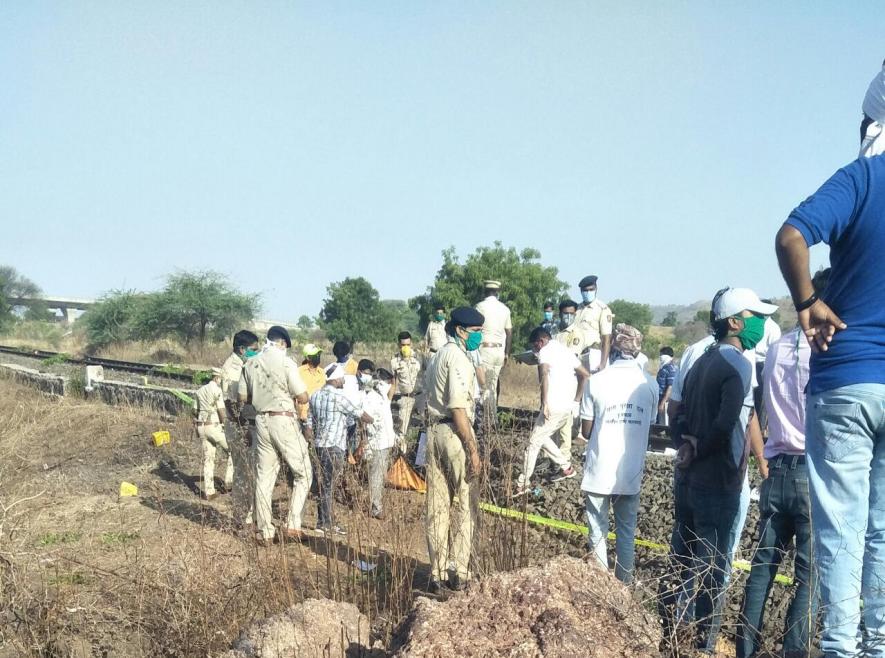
[658,145]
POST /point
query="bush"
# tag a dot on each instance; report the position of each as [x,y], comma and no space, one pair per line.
[632,313]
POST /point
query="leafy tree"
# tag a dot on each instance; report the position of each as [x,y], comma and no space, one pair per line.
[670,320]
[632,313]
[113,319]
[702,316]
[405,317]
[690,332]
[354,312]
[525,284]
[304,323]
[194,305]
[13,286]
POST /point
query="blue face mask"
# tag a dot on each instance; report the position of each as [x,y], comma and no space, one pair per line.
[548,315]
[588,296]
[474,340]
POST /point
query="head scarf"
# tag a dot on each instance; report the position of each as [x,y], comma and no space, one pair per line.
[627,340]
[873,139]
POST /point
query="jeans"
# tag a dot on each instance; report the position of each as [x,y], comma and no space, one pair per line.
[331,462]
[845,448]
[626,509]
[703,534]
[784,513]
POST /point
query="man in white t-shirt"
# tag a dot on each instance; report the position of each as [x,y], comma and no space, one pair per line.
[497,334]
[562,379]
[380,437]
[620,407]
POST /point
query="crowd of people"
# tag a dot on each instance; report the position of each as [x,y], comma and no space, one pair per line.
[808,406]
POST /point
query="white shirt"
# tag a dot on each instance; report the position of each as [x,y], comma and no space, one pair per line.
[772,334]
[694,352]
[642,360]
[497,320]
[380,433]
[623,406]
[562,383]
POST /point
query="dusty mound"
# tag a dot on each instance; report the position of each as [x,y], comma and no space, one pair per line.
[564,608]
[316,628]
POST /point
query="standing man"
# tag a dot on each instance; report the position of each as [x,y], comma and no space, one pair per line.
[314,379]
[209,423]
[845,441]
[595,320]
[435,336]
[497,334]
[622,406]
[710,434]
[667,371]
[452,454]
[562,379]
[270,382]
[549,322]
[380,438]
[406,369]
[331,411]
[784,505]
[570,333]
[341,350]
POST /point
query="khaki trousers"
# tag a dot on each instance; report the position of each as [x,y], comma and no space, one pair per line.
[406,407]
[542,439]
[492,362]
[212,437]
[448,519]
[280,437]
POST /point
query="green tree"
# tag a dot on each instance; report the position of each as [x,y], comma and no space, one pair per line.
[304,323]
[194,305]
[354,312]
[525,284]
[702,316]
[670,320]
[405,318]
[632,313]
[13,286]
[113,318]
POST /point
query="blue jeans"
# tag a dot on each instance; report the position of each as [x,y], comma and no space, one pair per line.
[845,447]
[784,513]
[626,509]
[703,534]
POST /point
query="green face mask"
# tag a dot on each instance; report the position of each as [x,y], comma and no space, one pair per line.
[250,353]
[474,340]
[751,334]
[439,317]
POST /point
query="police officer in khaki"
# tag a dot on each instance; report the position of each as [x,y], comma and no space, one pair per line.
[452,453]
[594,319]
[406,368]
[209,424]
[435,336]
[497,335]
[271,383]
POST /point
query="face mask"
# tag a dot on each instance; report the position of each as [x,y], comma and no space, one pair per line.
[439,317]
[565,320]
[548,315]
[406,351]
[588,296]
[665,359]
[474,340]
[248,354]
[753,331]
[383,388]
[314,360]
[365,380]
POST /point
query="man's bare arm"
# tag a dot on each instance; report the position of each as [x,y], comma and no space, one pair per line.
[606,350]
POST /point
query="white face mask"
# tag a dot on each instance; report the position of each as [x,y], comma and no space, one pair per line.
[365,380]
[383,388]
[665,359]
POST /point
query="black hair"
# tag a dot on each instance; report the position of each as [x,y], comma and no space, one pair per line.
[538,333]
[439,307]
[720,328]
[244,338]
[450,328]
[548,305]
[666,349]
[565,303]
[365,364]
[404,335]
[384,375]
[341,348]
[820,281]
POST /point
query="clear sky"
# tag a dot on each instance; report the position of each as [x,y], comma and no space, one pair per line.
[658,145]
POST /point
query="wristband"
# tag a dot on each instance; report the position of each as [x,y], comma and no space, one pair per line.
[808,303]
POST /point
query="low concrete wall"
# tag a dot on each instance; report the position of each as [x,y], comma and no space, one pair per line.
[42,381]
[124,393]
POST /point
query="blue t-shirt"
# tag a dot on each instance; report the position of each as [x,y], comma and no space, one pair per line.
[848,214]
[666,377]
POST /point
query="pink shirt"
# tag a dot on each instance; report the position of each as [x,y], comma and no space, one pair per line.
[785,377]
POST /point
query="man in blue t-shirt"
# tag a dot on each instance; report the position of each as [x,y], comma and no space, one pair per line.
[845,420]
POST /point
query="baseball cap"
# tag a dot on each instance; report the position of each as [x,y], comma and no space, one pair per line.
[733,301]
[311,350]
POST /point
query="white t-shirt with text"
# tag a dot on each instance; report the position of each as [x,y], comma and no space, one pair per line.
[562,381]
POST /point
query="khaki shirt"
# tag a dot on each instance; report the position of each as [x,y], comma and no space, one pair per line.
[406,371]
[573,338]
[435,335]
[595,321]
[497,317]
[450,381]
[271,380]
[209,400]
[231,370]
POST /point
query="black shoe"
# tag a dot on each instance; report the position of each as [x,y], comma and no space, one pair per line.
[434,587]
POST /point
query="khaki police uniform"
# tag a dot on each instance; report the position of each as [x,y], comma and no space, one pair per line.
[271,381]
[573,338]
[450,381]
[407,372]
[594,320]
[210,400]
[435,336]
[494,341]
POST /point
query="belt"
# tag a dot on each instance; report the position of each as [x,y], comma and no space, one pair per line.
[201,423]
[290,414]
[787,461]
[408,395]
[442,420]
[492,345]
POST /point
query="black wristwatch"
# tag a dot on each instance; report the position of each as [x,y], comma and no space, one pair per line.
[808,303]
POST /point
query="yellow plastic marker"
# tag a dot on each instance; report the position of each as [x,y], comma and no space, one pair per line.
[128,489]
[161,438]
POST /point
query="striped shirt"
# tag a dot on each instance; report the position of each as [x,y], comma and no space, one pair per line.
[329,412]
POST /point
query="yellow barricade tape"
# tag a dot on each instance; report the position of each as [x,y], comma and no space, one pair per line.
[582,529]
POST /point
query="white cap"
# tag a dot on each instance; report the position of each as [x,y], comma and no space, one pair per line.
[735,301]
[335,371]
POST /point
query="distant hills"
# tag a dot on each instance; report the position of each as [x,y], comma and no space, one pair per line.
[687,312]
